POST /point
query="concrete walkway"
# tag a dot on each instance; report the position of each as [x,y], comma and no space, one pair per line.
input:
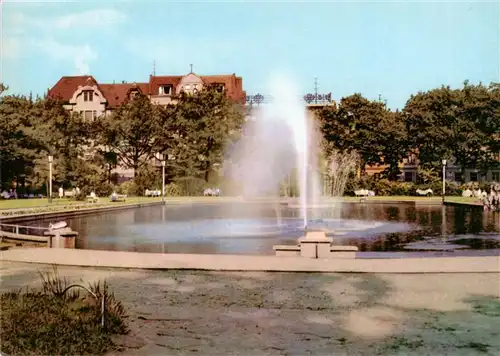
[120,259]
[258,313]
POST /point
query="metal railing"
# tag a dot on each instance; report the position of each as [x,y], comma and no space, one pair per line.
[23,229]
[103,300]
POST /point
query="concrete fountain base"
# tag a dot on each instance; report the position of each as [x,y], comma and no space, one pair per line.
[118,259]
[315,244]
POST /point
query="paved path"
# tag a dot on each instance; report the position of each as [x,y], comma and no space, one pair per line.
[250,263]
[259,313]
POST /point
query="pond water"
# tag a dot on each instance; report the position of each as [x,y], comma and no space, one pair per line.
[243,228]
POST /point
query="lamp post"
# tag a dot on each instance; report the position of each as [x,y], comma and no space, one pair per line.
[163,181]
[50,178]
[444,179]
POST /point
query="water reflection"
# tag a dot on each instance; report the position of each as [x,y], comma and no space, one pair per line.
[204,228]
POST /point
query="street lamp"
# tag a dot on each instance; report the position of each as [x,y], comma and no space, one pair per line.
[163,181]
[444,178]
[51,159]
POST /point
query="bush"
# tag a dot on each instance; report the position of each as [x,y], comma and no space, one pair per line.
[355,183]
[192,186]
[403,188]
[172,190]
[129,188]
[383,187]
[49,323]
[148,177]
[84,192]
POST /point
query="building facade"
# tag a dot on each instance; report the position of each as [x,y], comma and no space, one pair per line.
[85,95]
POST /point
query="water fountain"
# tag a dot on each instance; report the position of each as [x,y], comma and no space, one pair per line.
[278,138]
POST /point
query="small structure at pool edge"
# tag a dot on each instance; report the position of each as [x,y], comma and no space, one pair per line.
[316,245]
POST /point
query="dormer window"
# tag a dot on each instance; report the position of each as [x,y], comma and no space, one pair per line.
[133,94]
[219,87]
[165,90]
[88,95]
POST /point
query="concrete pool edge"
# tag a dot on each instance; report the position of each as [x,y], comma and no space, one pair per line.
[138,260]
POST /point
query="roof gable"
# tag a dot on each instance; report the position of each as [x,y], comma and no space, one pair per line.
[66,86]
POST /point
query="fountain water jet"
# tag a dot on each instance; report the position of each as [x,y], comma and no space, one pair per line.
[277,140]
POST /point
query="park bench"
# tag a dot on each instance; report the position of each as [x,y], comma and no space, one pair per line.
[92,198]
[118,197]
[152,193]
[427,192]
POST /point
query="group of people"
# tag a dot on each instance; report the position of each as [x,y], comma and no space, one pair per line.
[12,194]
[492,201]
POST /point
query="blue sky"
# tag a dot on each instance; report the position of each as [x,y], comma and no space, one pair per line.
[390,48]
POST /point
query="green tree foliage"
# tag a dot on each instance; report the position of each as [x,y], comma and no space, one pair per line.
[458,124]
[20,141]
[132,132]
[197,130]
[368,128]
[461,125]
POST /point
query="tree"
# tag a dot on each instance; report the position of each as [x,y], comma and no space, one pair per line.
[20,141]
[67,137]
[460,125]
[198,128]
[368,128]
[393,142]
[132,132]
[3,88]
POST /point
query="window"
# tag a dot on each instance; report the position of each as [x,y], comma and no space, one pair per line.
[87,116]
[94,115]
[408,176]
[88,95]
[219,87]
[473,176]
[458,176]
[165,90]
[495,176]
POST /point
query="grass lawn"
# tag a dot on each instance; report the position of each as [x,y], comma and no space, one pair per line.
[62,204]
[397,198]
[103,201]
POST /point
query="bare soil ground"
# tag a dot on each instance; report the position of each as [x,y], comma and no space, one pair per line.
[248,313]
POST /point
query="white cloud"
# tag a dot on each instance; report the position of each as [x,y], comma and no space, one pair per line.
[81,55]
[11,47]
[23,35]
[97,18]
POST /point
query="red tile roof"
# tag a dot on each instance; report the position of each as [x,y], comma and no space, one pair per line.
[66,86]
[156,81]
[116,94]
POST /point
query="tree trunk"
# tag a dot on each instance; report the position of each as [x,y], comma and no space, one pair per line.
[207,171]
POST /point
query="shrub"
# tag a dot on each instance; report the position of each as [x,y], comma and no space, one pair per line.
[451,188]
[172,190]
[84,192]
[192,186]
[403,188]
[128,187]
[355,183]
[383,187]
[47,322]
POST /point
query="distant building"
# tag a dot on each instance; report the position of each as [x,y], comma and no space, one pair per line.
[85,95]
